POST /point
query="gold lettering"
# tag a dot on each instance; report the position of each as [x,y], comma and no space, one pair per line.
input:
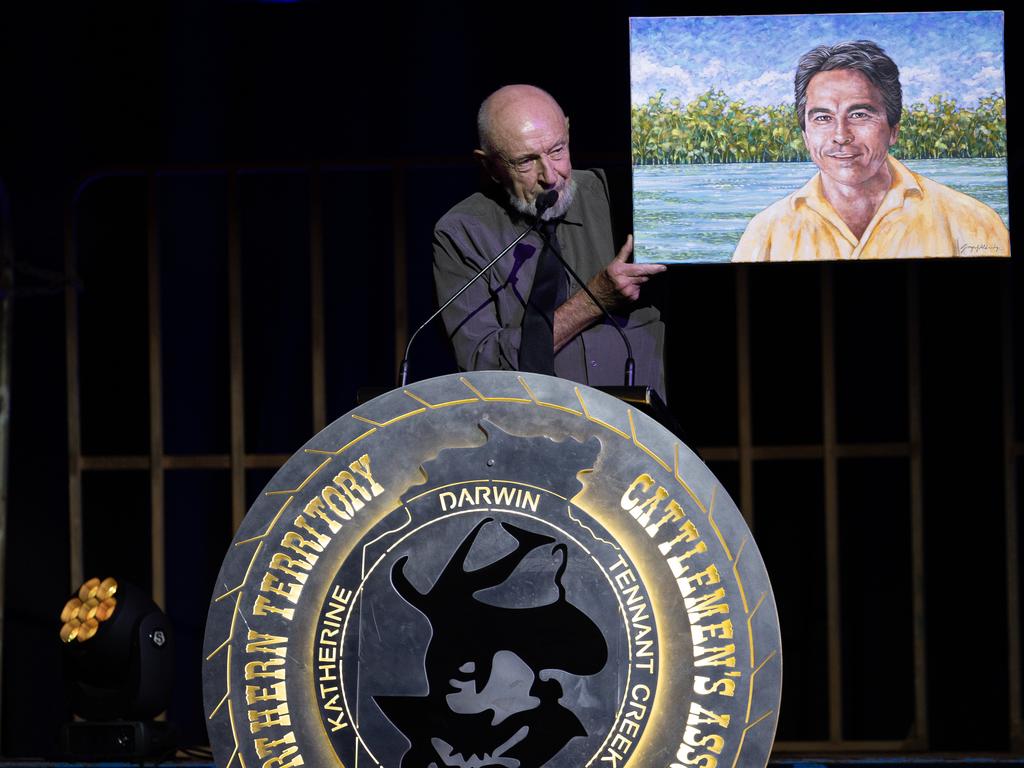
[330,492]
[362,468]
[296,543]
[701,607]
[261,643]
[685,756]
[316,507]
[285,563]
[709,575]
[701,633]
[300,522]
[276,692]
[620,563]
[718,656]
[644,482]
[503,495]
[291,591]
[530,500]
[643,512]
[348,483]
[723,686]
[612,757]
[647,666]
[265,746]
[712,741]
[278,762]
[263,606]
[700,716]
[632,727]
[675,562]
[252,667]
[624,578]
[687,533]
[672,512]
[267,718]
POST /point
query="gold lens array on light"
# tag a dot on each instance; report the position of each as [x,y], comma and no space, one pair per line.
[82,615]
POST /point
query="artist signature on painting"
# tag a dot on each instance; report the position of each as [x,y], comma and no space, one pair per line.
[977,249]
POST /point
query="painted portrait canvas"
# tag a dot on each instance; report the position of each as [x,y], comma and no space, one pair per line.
[818,137]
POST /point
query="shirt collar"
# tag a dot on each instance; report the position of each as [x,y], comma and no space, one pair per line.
[904,184]
[575,213]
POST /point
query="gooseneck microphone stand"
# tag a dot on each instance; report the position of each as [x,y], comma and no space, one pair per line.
[543,201]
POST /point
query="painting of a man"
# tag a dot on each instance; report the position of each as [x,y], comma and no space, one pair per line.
[863,203]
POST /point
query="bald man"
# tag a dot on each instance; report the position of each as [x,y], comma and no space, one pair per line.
[527,313]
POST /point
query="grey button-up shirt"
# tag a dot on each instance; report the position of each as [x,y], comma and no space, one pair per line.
[485,323]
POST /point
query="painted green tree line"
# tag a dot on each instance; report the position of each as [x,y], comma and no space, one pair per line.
[715,129]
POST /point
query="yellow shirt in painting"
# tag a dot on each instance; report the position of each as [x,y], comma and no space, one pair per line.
[918,218]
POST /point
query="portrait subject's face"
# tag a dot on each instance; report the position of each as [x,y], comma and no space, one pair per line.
[847,132]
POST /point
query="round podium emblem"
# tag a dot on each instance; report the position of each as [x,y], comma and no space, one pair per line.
[493,570]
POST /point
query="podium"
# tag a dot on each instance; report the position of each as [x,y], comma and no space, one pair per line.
[493,569]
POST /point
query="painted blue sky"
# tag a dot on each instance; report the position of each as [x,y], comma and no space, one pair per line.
[753,58]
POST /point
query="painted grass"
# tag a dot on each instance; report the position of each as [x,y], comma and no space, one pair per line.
[715,129]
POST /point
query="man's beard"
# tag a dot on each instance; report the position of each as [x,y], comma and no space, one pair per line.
[556,211]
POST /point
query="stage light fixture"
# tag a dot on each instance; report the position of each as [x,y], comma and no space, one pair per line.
[118,671]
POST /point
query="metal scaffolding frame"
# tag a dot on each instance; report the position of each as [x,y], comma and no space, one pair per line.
[745,453]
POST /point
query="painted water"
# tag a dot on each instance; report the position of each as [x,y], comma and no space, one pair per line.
[697,213]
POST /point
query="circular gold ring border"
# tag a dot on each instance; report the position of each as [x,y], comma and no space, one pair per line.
[479,397]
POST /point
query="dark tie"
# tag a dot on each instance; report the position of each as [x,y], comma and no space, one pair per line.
[536,346]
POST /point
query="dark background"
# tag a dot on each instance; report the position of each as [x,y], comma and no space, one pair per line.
[359,87]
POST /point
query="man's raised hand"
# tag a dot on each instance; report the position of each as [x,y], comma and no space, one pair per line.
[622,278]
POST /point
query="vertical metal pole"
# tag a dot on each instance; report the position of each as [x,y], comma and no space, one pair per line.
[920,735]
[316,300]
[156,402]
[74,413]
[399,254]
[1012,530]
[746,432]
[237,372]
[6,334]
[832,565]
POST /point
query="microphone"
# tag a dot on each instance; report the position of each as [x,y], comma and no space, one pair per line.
[542,202]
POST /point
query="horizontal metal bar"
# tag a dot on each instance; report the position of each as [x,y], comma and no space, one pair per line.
[841,745]
[778,452]
[196,461]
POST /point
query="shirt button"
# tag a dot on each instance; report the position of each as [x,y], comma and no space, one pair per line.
[593,363]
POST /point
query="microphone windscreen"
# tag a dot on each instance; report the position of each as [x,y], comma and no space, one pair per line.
[545,200]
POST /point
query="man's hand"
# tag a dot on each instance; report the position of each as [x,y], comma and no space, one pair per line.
[616,284]
[622,279]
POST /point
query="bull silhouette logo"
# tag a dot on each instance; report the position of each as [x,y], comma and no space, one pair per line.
[492,701]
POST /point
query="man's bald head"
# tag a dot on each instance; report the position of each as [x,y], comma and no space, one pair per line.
[524,146]
[511,109]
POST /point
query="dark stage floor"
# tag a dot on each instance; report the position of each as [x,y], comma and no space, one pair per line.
[832,761]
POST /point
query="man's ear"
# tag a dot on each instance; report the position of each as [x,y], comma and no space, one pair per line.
[894,134]
[486,163]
